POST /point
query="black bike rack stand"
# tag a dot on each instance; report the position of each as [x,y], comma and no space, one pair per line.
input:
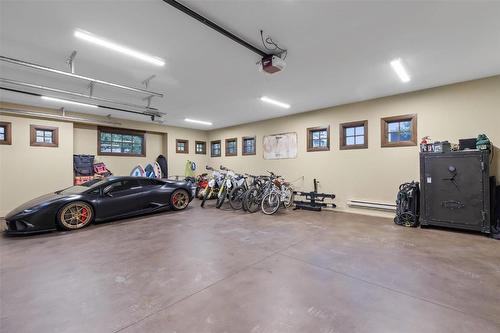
[314,200]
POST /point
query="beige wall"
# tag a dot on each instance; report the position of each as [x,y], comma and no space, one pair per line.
[85,142]
[27,172]
[50,169]
[445,113]
[450,112]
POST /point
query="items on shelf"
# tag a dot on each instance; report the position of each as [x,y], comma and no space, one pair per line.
[86,169]
[313,200]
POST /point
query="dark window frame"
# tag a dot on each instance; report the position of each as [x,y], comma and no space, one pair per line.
[186,146]
[243,139]
[7,133]
[384,131]
[204,144]
[55,136]
[343,134]
[212,148]
[310,132]
[121,131]
[226,146]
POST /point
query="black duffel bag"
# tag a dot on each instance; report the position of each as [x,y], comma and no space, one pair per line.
[83,165]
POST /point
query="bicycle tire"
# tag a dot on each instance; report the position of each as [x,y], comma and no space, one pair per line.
[221,197]
[236,197]
[251,200]
[205,197]
[270,203]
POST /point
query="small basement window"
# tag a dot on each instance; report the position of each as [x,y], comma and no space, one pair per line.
[44,136]
[181,146]
[120,142]
[318,138]
[399,131]
[200,147]
[5,133]
[354,135]
[248,143]
[232,147]
[215,148]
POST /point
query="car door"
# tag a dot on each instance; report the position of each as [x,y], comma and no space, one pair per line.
[121,197]
[155,195]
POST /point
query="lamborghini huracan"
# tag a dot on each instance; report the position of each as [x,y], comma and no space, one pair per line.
[99,200]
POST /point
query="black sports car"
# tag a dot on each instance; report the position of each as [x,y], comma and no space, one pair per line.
[99,200]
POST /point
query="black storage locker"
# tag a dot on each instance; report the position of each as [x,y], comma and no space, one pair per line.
[455,190]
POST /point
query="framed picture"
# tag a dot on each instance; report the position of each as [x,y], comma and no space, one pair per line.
[280,146]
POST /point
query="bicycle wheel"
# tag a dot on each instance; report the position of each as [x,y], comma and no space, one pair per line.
[288,198]
[208,192]
[236,197]
[270,203]
[251,200]
[221,197]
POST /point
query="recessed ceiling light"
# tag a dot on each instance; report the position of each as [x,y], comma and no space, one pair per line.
[119,48]
[53,99]
[274,102]
[198,122]
[400,70]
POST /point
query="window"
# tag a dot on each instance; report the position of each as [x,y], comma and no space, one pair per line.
[248,143]
[215,148]
[44,136]
[5,133]
[120,142]
[354,135]
[200,147]
[231,147]
[318,138]
[122,185]
[181,146]
[399,131]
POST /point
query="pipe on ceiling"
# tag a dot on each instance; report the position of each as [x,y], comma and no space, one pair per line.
[53,70]
[59,117]
[149,110]
[215,26]
[147,113]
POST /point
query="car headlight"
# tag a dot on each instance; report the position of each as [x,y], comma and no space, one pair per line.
[29,210]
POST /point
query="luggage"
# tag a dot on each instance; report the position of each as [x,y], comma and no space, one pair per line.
[83,165]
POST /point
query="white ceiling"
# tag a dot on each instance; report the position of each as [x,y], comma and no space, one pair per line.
[339,52]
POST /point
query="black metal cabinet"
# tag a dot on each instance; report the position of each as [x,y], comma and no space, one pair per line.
[455,190]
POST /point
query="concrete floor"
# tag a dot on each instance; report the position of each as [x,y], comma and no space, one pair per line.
[224,271]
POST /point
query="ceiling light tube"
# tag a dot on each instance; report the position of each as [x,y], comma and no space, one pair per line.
[53,99]
[274,102]
[400,70]
[118,48]
[198,122]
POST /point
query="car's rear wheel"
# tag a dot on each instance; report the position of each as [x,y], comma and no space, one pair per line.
[179,199]
[75,215]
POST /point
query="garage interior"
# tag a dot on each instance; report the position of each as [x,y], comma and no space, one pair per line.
[363,136]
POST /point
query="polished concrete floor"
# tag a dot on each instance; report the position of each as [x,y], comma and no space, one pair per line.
[206,270]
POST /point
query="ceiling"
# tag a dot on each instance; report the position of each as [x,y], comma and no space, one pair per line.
[338,52]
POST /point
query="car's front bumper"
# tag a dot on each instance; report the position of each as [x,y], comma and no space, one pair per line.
[23,227]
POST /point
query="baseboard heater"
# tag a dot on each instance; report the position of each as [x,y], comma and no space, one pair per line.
[371,205]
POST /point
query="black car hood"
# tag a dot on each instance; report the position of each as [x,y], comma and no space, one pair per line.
[43,200]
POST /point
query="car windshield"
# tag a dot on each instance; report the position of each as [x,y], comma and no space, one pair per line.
[77,189]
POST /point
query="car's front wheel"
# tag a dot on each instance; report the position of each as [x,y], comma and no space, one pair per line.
[75,215]
[179,199]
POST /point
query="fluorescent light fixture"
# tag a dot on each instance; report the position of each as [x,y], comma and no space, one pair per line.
[198,122]
[275,102]
[398,67]
[52,99]
[118,48]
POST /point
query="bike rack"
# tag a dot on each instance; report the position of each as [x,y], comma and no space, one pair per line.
[315,201]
